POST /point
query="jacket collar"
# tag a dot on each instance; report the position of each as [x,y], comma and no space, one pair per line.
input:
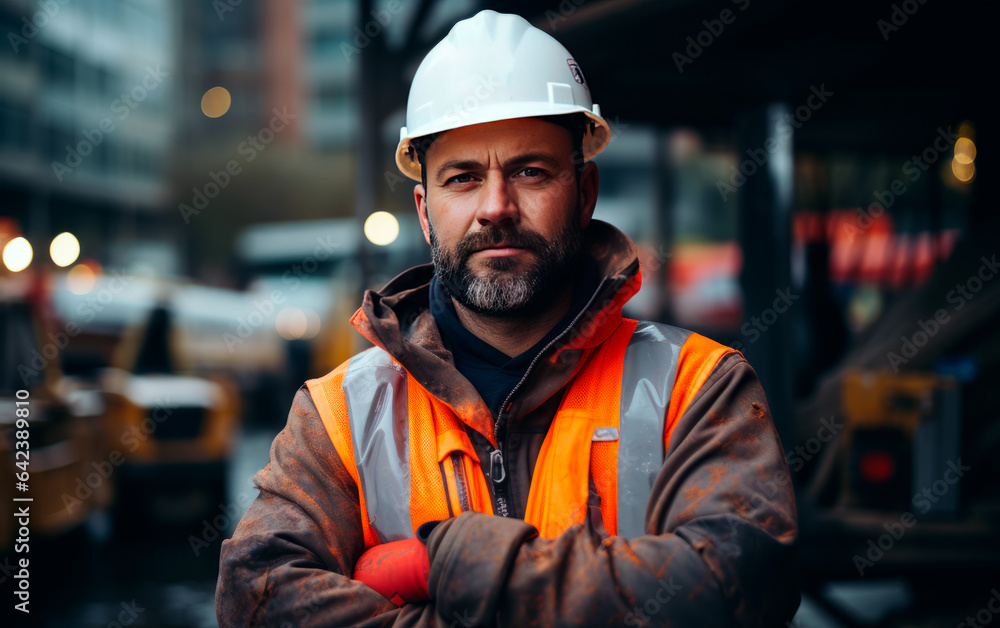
[398,319]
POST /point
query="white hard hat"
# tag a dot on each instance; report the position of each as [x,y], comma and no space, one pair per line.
[493,67]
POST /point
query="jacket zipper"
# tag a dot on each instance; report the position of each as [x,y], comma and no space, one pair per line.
[497,472]
[499,476]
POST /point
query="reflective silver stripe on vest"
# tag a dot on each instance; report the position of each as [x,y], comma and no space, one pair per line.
[375,391]
[648,374]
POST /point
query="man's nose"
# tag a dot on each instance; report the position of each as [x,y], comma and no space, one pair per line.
[498,203]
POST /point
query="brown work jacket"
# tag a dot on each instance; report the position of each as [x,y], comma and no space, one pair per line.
[720,523]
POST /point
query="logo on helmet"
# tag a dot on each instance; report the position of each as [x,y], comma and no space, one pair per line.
[574,67]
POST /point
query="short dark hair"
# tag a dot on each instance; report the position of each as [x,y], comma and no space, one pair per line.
[420,146]
[575,123]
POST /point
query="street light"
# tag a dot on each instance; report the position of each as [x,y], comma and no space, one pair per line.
[65,248]
[17,254]
[382,228]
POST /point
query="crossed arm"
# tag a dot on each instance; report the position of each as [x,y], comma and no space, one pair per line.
[721,551]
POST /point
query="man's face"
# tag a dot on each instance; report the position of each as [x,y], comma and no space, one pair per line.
[504,212]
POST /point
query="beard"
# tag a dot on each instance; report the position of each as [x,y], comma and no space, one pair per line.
[504,288]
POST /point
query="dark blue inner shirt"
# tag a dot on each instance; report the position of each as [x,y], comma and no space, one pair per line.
[492,372]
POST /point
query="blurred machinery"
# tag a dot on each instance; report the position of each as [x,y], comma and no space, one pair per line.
[174,433]
[149,436]
[64,439]
[304,280]
[901,430]
[904,485]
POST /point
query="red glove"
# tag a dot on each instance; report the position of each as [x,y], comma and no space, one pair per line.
[397,570]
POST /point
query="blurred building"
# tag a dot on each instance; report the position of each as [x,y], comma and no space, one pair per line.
[328,50]
[268,54]
[252,51]
[86,119]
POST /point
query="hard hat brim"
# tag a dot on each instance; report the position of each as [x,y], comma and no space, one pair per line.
[596,138]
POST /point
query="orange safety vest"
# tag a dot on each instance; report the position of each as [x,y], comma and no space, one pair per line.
[413,462]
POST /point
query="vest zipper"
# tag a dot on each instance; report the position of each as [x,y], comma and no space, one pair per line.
[499,476]
[496,456]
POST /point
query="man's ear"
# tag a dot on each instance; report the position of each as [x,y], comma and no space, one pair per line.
[420,199]
[589,184]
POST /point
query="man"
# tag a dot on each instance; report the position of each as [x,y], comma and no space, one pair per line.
[512,451]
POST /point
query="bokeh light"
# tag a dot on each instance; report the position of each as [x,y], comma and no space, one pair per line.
[291,323]
[216,102]
[17,254]
[65,248]
[312,324]
[965,151]
[963,172]
[966,129]
[382,228]
[81,279]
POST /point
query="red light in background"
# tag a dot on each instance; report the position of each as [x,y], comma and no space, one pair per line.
[877,466]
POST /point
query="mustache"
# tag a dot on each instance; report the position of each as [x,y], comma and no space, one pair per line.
[492,236]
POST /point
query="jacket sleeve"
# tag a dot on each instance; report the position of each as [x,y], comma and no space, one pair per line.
[290,559]
[719,549]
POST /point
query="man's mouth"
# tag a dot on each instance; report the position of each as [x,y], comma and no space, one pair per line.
[500,250]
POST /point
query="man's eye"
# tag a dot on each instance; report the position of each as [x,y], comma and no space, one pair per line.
[465,177]
[532,172]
